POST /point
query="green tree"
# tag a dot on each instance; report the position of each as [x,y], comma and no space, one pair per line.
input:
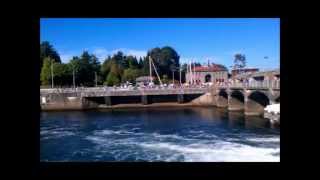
[62,74]
[112,80]
[165,60]
[132,62]
[145,67]
[47,50]
[86,65]
[121,60]
[113,77]
[239,61]
[140,63]
[130,75]
[45,75]
[105,67]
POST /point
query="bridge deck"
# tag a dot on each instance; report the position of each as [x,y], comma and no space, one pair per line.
[98,92]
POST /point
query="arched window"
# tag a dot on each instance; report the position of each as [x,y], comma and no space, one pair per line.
[208,78]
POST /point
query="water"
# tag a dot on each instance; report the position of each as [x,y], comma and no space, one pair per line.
[195,134]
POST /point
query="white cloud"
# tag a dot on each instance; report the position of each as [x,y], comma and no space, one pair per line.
[137,53]
[66,57]
[101,53]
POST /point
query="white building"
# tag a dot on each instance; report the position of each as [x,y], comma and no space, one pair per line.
[205,74]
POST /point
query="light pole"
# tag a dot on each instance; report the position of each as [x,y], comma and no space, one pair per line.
[180,74]
[173,76]
[52,74]
[95,74]
[73,77]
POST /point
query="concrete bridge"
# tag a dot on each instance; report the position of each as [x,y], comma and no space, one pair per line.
[250,98]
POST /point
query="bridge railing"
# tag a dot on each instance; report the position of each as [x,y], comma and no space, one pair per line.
[113,89]
[273,84]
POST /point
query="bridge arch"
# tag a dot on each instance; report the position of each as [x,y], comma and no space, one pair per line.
[236,101]
[222,98]
[256,102]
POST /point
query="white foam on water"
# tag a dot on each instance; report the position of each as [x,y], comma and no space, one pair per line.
[97,140]
[173,136]
[127,125]
[271,139]
[196,132]
[220,152]
[105,132]
[112,132]
[58,133]
[157,147]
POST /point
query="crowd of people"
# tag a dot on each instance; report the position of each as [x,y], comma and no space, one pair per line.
[245,82]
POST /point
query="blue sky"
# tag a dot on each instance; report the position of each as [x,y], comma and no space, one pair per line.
[200,39]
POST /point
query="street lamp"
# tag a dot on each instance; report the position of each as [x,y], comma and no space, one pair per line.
[180,74]
[173,76]
[73,77]
[52,74]
[95,75]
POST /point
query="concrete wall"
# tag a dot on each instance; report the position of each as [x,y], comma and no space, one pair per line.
[221,98]
[61,102]
[218,97]
[205,99]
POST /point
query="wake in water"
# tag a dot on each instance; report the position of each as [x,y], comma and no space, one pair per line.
[183,136]
[173,147]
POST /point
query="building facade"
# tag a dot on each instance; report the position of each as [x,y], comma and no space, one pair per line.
[236,72]
[260,76]
[207,74]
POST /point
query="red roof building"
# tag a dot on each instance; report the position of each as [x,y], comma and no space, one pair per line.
[214,73]
[211,68]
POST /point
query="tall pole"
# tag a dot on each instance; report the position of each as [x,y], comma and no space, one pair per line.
[52,73]
[187,74]
[150,72]
[194,73]
[180,74]
[95,75]
[74,81]
[191,73]
[172,76]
